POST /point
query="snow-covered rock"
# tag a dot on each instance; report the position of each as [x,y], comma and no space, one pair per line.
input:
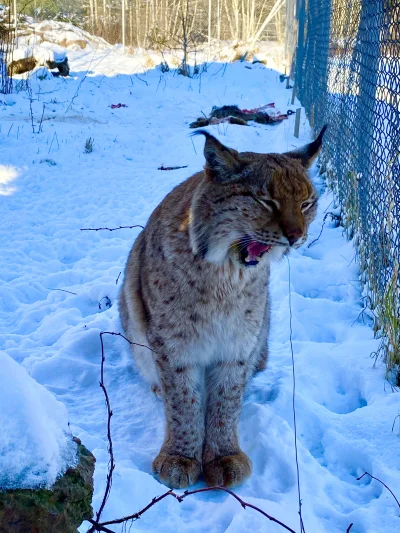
[60,510]
[36,444]
[26,58]
[63,34]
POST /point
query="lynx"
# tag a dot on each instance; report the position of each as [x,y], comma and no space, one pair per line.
[196,293]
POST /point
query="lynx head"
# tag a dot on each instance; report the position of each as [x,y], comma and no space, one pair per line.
[252,206]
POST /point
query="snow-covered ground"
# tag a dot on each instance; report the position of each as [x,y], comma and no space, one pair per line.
[35,441]
[56,282]
[35,38]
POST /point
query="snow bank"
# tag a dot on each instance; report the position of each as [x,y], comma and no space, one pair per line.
[43,53]
[63,34]
[50,33]
[35,442]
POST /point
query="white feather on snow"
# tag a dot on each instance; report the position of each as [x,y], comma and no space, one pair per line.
[35,442]
[344,411]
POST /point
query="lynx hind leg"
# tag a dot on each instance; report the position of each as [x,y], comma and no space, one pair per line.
[260,353]
[135,330]
[262,358]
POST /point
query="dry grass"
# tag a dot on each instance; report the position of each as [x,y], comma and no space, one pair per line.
[383,294]
[89,145]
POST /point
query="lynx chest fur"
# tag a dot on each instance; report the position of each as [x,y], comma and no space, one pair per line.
[196,292]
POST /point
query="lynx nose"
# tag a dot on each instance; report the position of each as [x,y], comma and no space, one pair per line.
[294,235]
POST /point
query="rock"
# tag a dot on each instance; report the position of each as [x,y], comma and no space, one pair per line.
[29,63]
[26,58]
[60,509]
[76,43]
[21,65]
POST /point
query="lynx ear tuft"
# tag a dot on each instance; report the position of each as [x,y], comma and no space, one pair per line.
[309,152]
[223,164]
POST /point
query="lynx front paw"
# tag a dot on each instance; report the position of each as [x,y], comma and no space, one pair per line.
[228,471]
[176,471]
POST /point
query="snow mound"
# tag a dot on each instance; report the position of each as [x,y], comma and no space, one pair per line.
[35,442]
[63,34]
[43,53]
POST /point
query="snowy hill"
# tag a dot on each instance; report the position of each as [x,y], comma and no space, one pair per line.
[59,289]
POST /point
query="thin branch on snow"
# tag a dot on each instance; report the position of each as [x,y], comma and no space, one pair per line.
[140,79]
[101,526]
[348,529]
[302,528]
[111,465]
[384,484]
[41,119]
[29,91]
[86,75]
[394,422]
[112,229]
[171,168]
[180,498]
[333,217]
[55,137]
[63,290]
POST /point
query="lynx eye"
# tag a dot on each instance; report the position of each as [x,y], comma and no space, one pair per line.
[271,205]
[306,205]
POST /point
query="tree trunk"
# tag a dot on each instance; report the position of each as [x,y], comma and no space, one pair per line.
[91,4]
[123,23]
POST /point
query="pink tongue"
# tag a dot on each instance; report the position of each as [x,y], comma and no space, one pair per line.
[254,249]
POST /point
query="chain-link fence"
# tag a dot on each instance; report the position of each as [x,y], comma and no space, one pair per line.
[348,76]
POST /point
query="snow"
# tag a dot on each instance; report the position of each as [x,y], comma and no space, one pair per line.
[35,442]
[52,189]
[61,35]
[43,53]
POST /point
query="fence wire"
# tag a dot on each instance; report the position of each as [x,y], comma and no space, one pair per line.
[348,76]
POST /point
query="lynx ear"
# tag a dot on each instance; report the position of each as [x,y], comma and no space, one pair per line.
[309,152]
[223,164]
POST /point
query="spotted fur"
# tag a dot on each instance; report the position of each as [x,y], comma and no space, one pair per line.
[204,314]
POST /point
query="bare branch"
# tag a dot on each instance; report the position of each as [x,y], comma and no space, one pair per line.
[333,217]
[170,168]
[111,229]
[101,526]
[180,497]
[111,465]
[63,290]
[384,484]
